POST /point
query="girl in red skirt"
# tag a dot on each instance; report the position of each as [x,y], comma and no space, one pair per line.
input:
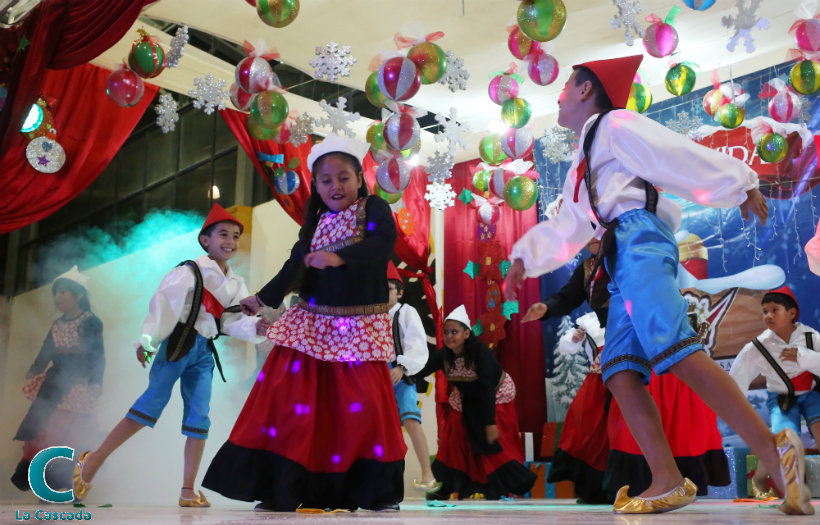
[480,453]
[320,428]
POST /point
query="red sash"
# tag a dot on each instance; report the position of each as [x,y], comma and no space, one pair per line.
[803,381]
[211,304]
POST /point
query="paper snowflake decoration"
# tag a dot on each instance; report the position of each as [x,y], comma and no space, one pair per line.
[627,17]
[301,129]
[209,94]
[743,23]
[167,115]
[332,61]
[686,124]
[452,132]
[455,76]
[557,144]
[177,47]
[439,166]
[440,195]
[337,118]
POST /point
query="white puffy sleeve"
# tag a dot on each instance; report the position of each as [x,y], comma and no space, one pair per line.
[807,359]
[413,340]
[813,252]
[169,303]
[238,324]
[744,368]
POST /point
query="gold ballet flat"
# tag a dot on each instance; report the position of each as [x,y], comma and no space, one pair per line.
[80,486]
[763,494]
[678,497]
[425,485]
[477,496]
[201,501]
[797,498]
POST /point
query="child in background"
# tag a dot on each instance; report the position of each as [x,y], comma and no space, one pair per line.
[192,360]
[65,395]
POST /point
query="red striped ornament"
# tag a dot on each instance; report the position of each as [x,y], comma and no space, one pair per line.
[399,78]
[393,175]
[517,142]
[498,179]
[543,69]
[785,106]
[401,131]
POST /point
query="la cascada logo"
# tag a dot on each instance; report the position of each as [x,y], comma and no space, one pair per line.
[37,474]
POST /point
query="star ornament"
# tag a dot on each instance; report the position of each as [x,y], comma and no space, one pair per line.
[509,308]
[471,269]
[466,196]
[504,266]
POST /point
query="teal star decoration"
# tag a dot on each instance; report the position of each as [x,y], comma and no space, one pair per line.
[466,196]
[504,266]
[477,328]
[471,269]
[509,308]
[24,43]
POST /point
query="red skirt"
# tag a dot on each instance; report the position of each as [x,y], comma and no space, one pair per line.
[318,433]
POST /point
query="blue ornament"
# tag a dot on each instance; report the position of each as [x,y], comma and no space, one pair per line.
[699,5]
[286,182]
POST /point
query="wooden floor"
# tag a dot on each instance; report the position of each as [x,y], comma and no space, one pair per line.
[551,512]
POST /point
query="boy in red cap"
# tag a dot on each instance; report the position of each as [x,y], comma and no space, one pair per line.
[786,355]
[612,182]
[185,315]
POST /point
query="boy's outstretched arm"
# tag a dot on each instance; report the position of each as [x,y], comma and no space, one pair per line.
[755,203]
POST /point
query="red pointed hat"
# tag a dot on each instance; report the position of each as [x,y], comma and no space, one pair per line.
[392,272]
[218,214]
[785,290]
[616,75]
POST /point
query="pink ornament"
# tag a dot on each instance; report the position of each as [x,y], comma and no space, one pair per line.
[241,98]
[393,175]
[489,213]
[712,101]
[502,88]
[124,87]
[521,46]
[517,142]
[807,34]
[401,132]
[785,106]
[399,78]
[543,68]
[660,39]
[498,178]
[253,74]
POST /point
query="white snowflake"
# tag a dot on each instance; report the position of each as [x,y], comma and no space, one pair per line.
[743,23]
[440,196]
[332,62]
[301,129]
[627,17]
[177,47]
[439,166]
[686,124]
[209,94]
[167,115]
[455,76]
[452,131]
[337,118]
[557,144]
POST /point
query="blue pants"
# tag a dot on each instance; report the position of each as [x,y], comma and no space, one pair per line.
[407,401]
[195,372]
[808,406]
[647,326]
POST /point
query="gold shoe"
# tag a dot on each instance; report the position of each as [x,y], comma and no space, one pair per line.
[425,485]
[763,494]
[201,501]
[678,497]
[80,486]
[797,497]
[477,496]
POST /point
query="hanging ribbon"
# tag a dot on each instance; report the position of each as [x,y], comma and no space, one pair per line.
[402,41]
[511,71]
[382,57]
[260,49]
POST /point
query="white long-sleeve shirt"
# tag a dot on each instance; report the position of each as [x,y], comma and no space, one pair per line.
[592,326]
[813,252]
[171,303]
[750,363]
[413,338]
[629,148]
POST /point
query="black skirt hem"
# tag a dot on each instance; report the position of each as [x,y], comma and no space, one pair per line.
[510,478]
[588,481]
[710,468]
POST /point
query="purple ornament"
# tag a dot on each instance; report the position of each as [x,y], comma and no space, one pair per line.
[660,39]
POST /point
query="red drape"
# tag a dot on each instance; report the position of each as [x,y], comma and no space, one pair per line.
[521,352]
[62,34]
[91,128]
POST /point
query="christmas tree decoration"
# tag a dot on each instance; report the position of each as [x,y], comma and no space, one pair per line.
[440,196]
[439,166]
[455,76]
[332,61]
[490,150]
[393,175]
[498,179]
[542,20]
[375,136]
[254,74]
[518,142]
[712,101]
[405,222]
[627,17]
[451,131]
[731,115]
[489,213]
[430,60]
[503,87]
[772,147]
[520,193]
[167,115]
[45,155]
[516,112]
[509,308]
[270,108]
[471,269]
[699,5]
[391,198]
[258,130]
[277,13]
[466,196]
[543,68]
[660,39]
[481,181]
[784,105]
[373,92]
[337,118]
[640,98]
[743,23]
[520,45]
[209,94]
[504,267]
[685,124]
[301,129]
[146,58]
[287,182]
[399,78]
[680,79]
[240,98]
[805,77]
[806,33]
[124,87]
[176,49]
[401,131]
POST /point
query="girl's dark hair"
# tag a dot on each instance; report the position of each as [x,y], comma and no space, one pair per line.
[315,207]
[472,346]
[582,74]
[78,291]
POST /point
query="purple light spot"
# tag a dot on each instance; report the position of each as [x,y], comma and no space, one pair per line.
[295,366]
[342,324]
[272,432]
[336,458]
[371,226]
[261,376]
[300,409]
[312,302]
[356,407]
[378,450]
[42,160]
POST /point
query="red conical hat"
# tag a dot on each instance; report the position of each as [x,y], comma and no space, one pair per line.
[616,75]
[392,272]
[785,290]
[218,214]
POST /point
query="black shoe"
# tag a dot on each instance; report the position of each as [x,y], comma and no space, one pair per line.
[20,476]
[265,506]
[387,507]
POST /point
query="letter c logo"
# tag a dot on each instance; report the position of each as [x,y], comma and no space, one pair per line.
[37,474]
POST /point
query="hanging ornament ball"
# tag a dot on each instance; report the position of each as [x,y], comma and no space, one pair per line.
[640,98]
[270,107]
[254,74]
[431,61]
[401,131]
[498,179]
[283,132]
[277,13]
[389,197]
[409,152]
[520,193]
[516,112]
[807,34]
[699,5]
[399,78]
[785,106]
[481,181]
[393,175]
[517,142]
[259,131]
[240,98]
[712,101]
[542,20]
[680,79]
[287,182]
[45,155]
[502,88]
[489,213]
[521,46]
[124,87]
[731,115]
[146,58]
[373,92]
[772,147]
[490,150]
[805,77]
[543,68]
[375,136]
[660,39]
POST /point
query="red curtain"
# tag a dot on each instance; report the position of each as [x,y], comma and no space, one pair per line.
[62,34]
[521,352]
[90,128]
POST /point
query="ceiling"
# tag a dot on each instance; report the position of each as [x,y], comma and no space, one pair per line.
[475,30]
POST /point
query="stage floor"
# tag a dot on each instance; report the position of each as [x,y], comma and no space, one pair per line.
[414,511]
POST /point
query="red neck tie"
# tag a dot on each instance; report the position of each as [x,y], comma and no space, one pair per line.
[579,176]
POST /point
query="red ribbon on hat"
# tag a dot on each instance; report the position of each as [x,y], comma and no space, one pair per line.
[402,41]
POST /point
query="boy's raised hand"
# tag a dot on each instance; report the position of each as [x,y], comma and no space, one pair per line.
[514,279]
[536,311]
[755,203]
